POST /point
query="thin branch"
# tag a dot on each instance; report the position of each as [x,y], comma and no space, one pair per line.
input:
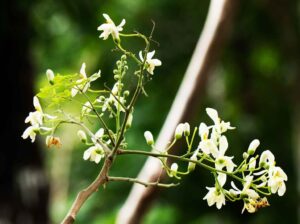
[83,195]
[208,48]
[146,184]
[197,162]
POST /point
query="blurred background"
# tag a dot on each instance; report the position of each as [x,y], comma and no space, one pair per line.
[255,84]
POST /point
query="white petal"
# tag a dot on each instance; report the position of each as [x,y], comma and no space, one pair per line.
[141,56]
[213,114]
[150,55]
[223,144]
[87,153]
[82,70]
[74,91]
[106,17]
[156,62]
[98,158]
[121,24]
[36,104]
[222,179]
[203,131]
[282,189]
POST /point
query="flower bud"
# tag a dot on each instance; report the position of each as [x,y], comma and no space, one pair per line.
[123,57]
[179,131]
[192,165]
[129,121]
[126,93]
[186,129]
[253,146]
[82,136]
[50,76]
[173,171]
[149,138]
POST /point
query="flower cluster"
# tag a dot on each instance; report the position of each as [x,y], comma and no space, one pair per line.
[36,119]
[258,179]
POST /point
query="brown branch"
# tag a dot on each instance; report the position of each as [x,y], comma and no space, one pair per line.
[204,57]
[83,195]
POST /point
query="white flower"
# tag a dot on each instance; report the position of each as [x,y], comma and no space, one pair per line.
[173,170]
[267,158]
[114,99]
[149,137]
[30,132]
[94,153]
[253,146]
[86,108]
[220,126]
[214,196]
[223,161]
[110,28]
[99,134]
[206,145]
[84,82]
[50,76]
[82,136]
[250,193]
[35,118]
[276,182]
[150,63]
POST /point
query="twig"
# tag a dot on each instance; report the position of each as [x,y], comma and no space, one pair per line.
[146,184]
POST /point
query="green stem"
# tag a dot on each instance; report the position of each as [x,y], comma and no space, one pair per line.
[99,118]
[199,163]
[146,184]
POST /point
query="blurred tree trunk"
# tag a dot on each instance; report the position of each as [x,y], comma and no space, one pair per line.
[23,188]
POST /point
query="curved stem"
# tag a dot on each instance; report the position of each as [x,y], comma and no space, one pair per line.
[146,184]
[199,163]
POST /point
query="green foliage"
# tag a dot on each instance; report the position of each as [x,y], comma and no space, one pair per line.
[60,91]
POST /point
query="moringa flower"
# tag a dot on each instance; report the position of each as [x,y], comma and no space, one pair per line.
[220,126]
[150,63]
[276,182]
[223,161]
[35,118]
[267,159]
[84,82]
[94,153]
[110,28]
[215,196]
[30,132]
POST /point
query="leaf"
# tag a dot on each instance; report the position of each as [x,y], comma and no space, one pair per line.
[60,91]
